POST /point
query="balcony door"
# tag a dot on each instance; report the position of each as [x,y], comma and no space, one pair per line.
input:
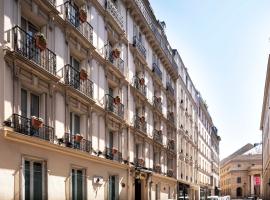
[74,123]
[30,104]
[75,72]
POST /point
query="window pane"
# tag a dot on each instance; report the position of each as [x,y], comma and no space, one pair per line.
[76,124]
[79,184]
[37,180]
[70,122]
[110,139]
[27,179]
[24,102]
[73,185]
[34,105]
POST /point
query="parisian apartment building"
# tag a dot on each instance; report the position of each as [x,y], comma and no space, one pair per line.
[264,126]
[95,104]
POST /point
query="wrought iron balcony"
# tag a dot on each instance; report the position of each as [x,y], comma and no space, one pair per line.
[113,154]
[74,79]
[170,88]
[114,106]
[112,58]
[71,141]
[157,71]
[114,12]
[170,173]
[157,103]
[171,144]
[139,84]
[26,45]
[140,123]
[72,15]
[158,136]
[26,126]
[139,162]
[157,168]
[52,2]
[138,44]
[170,116]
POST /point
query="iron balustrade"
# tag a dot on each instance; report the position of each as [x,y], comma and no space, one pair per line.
[114,12]
[112,106]
[113,154]
[138,44]
[171,144]
[140,124]
[71,14]
[24,125]
[158,136]
[52,2]
[117,62]
[157,103]
[161,38]
[157,70]
[72,78]
[139,84]
[82,145]
[25,44]
[170,116]
[170,88]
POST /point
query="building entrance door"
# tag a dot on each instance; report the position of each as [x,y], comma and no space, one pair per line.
[138,189]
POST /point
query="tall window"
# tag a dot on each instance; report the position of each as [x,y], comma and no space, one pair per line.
[74,123]
[30,104]
[78,184]
[113,187]
[238,179]
[34,179]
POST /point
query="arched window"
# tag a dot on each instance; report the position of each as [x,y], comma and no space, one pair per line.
[239,192]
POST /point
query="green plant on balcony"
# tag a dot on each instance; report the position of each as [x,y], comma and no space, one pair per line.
[82,15]
[40,41]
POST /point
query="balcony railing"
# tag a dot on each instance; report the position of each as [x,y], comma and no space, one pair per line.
[157,103]
[138,44]
[170,88]
[139,162]
[25,126]
[72,77]
[117,62]
[158,136]
[72,14]
[171,144]
[170,116]
[113,154]
[139,84]
[25,44]
[71,142]
[113,106]
[161,38]
[140,123]
[157,70]
[52,2]
[114,12]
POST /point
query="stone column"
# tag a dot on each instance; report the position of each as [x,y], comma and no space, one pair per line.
[252,185]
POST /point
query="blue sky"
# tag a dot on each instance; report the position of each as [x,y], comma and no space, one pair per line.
[225,46]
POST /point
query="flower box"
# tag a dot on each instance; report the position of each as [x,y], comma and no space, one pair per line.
[40,41]
[114,151]
[83,75]
[142,81]
[36,122]
[117,100]
[116,53]
[141,161]
[82,15]
[78,138]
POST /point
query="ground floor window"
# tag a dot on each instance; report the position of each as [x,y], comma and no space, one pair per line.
[34,179]
[78,184]
[113,187]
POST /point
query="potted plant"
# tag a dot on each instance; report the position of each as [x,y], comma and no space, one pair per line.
[114,150]
[40,41]
[36,122]
[116,53]
[83,74]
[78,137]
[117,100]
[82,15]
[142,119]
[142,81]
